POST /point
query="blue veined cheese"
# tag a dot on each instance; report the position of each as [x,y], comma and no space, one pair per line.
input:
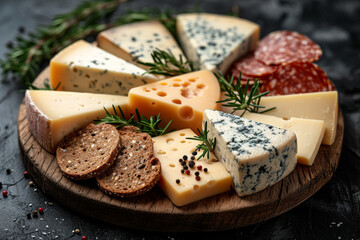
[82,67]
[215,41]
[136,41]
[257,155]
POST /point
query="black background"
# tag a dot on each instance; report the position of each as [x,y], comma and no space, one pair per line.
[332,213]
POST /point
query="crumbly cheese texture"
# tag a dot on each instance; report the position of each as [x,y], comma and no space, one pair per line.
[136,41]
[216,41]
[169,149]
[309,133]
[181,99]
[82,67]
[320,105]
[52,115]
[257,155]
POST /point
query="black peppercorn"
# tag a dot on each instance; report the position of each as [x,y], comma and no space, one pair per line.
[180,160]
[0,185]
[185,157]
[8,171]
[186,168]
[183,163]
[197,173]
[182,170]
[191,164]
[205,169]
[35,214]
[192,158]
[194,153]
[177,181]
[28,215]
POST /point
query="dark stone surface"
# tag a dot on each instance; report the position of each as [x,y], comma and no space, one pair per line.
[332,213]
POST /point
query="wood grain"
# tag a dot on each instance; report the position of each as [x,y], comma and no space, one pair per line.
[153,211]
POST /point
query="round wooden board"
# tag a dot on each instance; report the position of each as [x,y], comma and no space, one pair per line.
[154,212]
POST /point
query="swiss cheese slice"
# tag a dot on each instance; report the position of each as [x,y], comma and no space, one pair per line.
[257,155]
[136,41]
[52,115]
[215,41]
[169,149]
[181,99]
[309,133]
[318,105]
[82,67]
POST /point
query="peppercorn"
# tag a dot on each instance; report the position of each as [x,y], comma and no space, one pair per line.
[35,214]
[185,157]
[180,160]
[26,174]
[191,164]
[197,173]
[183,163]
[194,153]
[41,210]
[83,238]
[199,167]
[77,231]
[0,185]
[177,181]
[205,169]
[187,172]
[5,193]
[186,167]
[28,216]
[197,178]
[182,170]
[192,158]
[21,29]
[8,171]
[31,184]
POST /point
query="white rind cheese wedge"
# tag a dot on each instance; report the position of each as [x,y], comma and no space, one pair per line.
[173,146]
[319,105]
[136,41]
[257,155]
[216,41]
[309,133]
[82,67]
[52,115]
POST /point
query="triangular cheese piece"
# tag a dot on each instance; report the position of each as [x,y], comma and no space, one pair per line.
[52,115]
[82,67]
[136,41]
[215,41]
[181,99]
[257,155]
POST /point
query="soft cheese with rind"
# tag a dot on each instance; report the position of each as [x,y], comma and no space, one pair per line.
[171,147]
[83,67]
[216,41]
[257,155]
[136,41]
[52,115]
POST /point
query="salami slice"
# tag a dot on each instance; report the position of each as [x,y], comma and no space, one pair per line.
[245,77]
[250,66]
[284,47]
[297,78]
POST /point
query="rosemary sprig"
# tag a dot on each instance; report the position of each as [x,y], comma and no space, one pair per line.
[238,97]
[208,144]
[166,63]
[149,126]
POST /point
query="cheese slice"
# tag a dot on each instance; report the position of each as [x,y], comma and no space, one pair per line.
[215,41]
[169,149]
[257,155]
[82,67]
[181,99]
[52,115]
[309,133]
[319,105]
[136,41]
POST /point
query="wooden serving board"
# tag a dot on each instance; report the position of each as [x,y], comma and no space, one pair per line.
[153,211]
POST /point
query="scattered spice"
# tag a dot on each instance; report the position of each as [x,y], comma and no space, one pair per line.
[186,167]
[182,170]
[197,178]
[77,231]
[191,164]
[35,214]
[41,210]
[180,160]
[177,181]
[28,216]
[83,238]
[187,172]
[194,153]
[192,158]
[185,157]
[199,167]
[205,170]
[31,184]
[5,193]
[26,174]
[8,171]
[197,173]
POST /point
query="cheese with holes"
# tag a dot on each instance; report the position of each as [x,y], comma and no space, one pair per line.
[216,41]
[257,155]
[181,99]
[319,105]
[136,41]
[173,146]
[51,115]
[309,133]
[82,67]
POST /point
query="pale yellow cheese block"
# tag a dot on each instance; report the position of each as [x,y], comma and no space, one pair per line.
[169,149]
[52,115]
[181,99]
[309,133]
[83,67]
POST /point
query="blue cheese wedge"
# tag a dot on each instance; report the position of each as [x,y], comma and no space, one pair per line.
[136,41]
[215,41]
[257,155]
[82,67]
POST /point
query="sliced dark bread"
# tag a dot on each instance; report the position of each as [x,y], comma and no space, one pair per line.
[135,169]
[88,152]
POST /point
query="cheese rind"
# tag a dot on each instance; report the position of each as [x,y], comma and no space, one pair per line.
[215,41]
[136,41]
[181,99]
[173,146]
[52,115]
[257,155]
[82,67]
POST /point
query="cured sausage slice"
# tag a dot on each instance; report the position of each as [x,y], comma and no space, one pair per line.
[250,66]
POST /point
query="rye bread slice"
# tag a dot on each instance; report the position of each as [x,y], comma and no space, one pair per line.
[88,152]
[135,170]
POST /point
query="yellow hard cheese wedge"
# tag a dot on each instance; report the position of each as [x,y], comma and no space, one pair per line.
[136,41]
[180,99]
[82,67]
[215,41]
[169,149]
[52,115]
[309,133]
[319,105]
